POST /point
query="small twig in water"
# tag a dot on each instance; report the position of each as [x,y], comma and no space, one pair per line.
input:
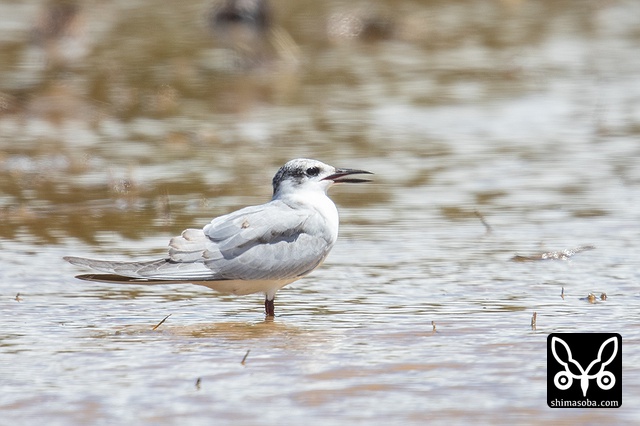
[245,356]
[160,323]
[562,293]
[533,320]
[483,221]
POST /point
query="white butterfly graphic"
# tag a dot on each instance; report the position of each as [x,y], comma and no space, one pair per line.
[564,379]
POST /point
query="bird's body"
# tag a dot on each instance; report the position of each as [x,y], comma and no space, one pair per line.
[255,249]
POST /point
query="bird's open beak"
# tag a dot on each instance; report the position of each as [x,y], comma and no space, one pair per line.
[339,176]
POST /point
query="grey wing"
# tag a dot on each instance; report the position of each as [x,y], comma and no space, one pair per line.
[271,241]
[268,242]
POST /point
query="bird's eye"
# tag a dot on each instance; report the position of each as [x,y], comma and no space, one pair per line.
[313,171]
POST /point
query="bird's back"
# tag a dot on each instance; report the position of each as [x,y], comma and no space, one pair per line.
[269,241]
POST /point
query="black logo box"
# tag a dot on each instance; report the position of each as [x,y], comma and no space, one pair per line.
[584,370]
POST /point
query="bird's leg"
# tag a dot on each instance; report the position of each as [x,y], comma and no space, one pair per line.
[269,307]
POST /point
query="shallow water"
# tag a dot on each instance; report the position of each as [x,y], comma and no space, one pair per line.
[494,129]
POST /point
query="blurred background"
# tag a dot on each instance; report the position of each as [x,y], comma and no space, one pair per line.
[137,118]
[494,128]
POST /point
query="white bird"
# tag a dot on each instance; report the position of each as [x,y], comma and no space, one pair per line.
[255,249]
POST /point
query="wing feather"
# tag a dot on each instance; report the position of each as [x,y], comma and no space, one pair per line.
[272,241]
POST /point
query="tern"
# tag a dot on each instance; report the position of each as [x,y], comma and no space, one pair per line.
[257,249]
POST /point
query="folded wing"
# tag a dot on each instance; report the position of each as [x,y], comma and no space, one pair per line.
[271,241]
[268,242]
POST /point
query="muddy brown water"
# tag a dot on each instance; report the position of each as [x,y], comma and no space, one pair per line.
[494,129]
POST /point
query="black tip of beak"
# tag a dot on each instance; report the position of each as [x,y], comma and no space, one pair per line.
[339,176]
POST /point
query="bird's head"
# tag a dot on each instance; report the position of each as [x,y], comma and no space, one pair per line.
[306,174]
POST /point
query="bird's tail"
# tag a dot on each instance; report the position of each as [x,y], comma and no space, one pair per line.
[161,270]
[145,269]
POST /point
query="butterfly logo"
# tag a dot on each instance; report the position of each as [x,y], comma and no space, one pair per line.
[564,379]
